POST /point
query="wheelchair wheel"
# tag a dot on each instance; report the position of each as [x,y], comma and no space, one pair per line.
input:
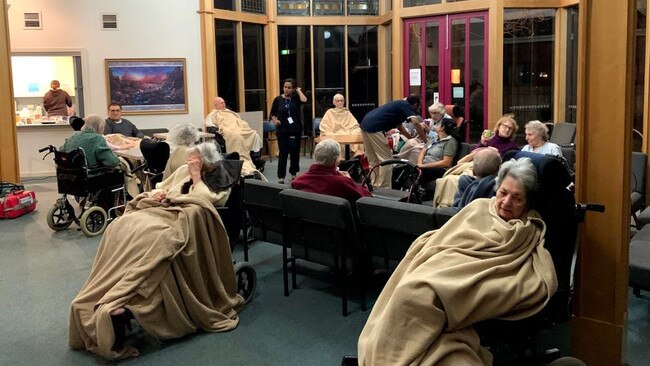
[93,221]
[60,217]
[246,280]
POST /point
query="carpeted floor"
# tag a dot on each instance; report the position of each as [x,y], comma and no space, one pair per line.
[41,271]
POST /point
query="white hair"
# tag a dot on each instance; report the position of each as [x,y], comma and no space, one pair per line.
[94,123]
[183,135]
[209,154]
[521,170]
[327,152]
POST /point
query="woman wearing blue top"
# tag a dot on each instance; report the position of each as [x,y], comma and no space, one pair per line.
[537,138]
[286,115]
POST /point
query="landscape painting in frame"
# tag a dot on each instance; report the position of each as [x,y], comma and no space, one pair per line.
[147,86]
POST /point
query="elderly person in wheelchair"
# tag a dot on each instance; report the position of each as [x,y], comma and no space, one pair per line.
[488,261]
[166,262]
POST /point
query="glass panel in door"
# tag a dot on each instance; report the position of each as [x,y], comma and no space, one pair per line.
[474,106]
[432,93]
[413,72]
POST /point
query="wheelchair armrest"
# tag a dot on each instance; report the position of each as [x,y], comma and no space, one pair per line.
[103,170]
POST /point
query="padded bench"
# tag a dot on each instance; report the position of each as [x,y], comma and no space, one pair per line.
[639,278]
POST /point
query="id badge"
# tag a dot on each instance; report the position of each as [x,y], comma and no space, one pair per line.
[290,120]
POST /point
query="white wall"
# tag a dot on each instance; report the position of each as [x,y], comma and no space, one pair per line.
[146,28]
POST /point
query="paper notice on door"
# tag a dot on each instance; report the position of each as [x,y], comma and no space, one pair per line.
[414,77]
[458,92]
[436,97]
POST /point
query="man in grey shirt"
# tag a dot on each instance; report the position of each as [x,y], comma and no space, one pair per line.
[116,124]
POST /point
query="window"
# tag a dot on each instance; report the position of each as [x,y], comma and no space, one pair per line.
[329,66]
[362,70]
[295,62]
[409,3]
[226,41]
[32,75]
[254,74]
[528,49]
[293,7]
[639,75]
[571,110]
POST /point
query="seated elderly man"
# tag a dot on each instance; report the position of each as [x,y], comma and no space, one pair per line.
[339,121]
[488,261]
[239,136]
[90,139]
[482,185]
[165,262]
[324,177]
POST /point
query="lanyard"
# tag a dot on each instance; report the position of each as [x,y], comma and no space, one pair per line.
[287,103]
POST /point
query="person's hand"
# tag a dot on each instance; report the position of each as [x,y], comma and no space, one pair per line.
[275,121]
[194,165]
[345,173]
[486,136]
[298,89]
[159,196]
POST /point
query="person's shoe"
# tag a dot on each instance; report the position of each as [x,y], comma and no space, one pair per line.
[281,180]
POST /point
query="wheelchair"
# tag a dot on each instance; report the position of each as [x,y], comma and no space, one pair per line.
[99,191]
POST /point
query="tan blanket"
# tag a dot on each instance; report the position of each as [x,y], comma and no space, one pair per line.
[476,267]
[339,121]
[122,142]
[229,121]
[447,186]
[170,264]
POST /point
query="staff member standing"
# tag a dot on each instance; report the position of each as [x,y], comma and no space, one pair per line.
[285,114]
[56,101]
[382,119]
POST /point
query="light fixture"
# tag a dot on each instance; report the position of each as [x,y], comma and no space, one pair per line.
[327,34]
[455,76]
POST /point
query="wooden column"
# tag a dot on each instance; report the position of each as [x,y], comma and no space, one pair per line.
[603,176]
[495,62]
[397,33]
[209,53]
[9,169]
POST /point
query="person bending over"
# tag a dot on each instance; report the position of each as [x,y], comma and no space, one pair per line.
[488,261]
[485,168]
[324,176]
[382,119]
[165,262]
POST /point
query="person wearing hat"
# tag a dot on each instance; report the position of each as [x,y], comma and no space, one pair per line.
[438,156]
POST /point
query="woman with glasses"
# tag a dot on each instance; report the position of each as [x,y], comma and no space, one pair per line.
[501,138]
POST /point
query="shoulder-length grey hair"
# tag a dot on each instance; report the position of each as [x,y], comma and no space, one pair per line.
[209,153]
[523,171]
[538,128]
[183,135]
[94,123]
[327,152]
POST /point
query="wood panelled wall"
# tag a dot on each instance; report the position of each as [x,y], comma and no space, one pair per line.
[8,144]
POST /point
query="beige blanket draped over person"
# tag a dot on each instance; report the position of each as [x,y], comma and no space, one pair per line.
[488,261]
[168,261]
[237,133]
[339,121]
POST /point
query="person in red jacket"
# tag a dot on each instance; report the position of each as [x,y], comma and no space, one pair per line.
[324,176]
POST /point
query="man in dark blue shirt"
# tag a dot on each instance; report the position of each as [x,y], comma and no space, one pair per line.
[382,119]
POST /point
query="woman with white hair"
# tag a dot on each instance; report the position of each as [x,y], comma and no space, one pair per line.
[324,176]
[181,137]
[537,138]
[488,261]
[92,141]
[165,262]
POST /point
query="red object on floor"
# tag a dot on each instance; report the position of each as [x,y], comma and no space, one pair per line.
[17,203]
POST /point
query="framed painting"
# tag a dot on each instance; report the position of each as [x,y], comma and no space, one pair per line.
[147,86]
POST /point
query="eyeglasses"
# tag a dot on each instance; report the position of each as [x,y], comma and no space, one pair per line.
[114,110]
[507,126]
